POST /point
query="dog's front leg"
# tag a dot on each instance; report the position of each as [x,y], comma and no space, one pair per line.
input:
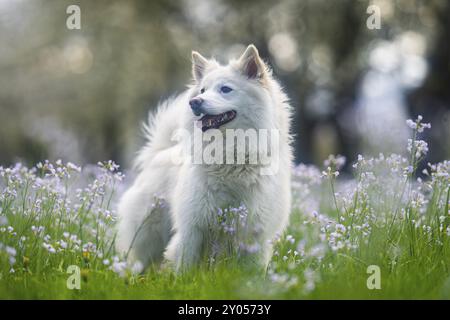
[190,215]
[184,249]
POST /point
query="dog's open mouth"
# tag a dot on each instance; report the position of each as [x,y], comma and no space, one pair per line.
[210,121]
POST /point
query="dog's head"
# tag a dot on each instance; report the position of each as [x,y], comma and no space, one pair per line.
[231,96]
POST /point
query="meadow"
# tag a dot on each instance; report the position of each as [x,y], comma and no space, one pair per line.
[387,213]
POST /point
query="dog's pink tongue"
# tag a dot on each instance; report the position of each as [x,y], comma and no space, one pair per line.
[207,121]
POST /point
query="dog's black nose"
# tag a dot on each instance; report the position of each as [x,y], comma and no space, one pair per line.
[196,105]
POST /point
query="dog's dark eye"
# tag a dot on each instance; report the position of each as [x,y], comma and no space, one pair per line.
[202,90]
[225,89]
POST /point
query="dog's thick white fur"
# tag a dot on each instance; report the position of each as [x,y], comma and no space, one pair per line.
[178,232]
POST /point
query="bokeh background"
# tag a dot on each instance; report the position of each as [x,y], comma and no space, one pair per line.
[81,95]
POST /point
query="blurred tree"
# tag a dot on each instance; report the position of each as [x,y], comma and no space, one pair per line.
[432,99]
[81,95]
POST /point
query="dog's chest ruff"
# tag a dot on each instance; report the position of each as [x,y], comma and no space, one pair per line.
[233,175]
[230,185]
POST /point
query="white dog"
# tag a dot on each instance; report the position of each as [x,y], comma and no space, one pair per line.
[241,95]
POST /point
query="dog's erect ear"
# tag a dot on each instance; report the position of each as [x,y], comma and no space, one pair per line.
[251,64]
[199,65]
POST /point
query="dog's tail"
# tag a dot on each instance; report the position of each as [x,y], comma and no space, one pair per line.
[159,131]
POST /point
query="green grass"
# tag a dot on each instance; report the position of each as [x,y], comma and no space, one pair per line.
[422,277]
[381,216]
[224,283]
